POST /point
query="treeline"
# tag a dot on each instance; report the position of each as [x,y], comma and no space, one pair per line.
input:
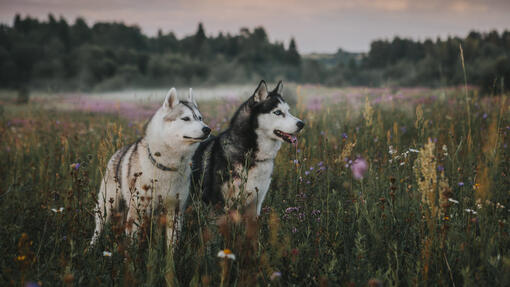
[54,54]
[404,62]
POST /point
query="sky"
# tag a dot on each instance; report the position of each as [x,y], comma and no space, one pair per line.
[317,25]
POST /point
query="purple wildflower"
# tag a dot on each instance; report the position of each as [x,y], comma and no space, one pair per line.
[314,104]
[461,184]
[291,209]
[440,168]
[359,167]
[344,136]
[316,212]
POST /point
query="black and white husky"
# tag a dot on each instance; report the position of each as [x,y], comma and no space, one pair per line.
[155,167]
[235,167]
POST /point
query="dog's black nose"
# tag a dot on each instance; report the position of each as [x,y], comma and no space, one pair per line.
[300,124]
[206,130]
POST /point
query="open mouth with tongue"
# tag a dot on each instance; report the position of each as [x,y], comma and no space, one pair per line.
[290,138]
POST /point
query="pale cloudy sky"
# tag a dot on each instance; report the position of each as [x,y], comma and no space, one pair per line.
[317,25]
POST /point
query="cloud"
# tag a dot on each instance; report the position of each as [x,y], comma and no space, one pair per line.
[466,7]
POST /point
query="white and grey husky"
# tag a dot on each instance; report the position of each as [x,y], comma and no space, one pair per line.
[155,167]
[236,166]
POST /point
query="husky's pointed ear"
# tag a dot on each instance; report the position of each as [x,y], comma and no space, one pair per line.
[171,99]
[279,88]
[261,92]
[191,98]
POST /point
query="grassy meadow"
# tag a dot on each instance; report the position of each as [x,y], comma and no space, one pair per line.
[385,187]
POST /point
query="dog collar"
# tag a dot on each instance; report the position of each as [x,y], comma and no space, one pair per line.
[157,164]
[263,160]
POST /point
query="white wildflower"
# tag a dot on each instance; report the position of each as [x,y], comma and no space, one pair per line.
[453,200]
[226,253]
[275,275]
[391,150]
[60,210]
[445,150]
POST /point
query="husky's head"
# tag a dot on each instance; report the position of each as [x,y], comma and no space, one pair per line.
[178,121]
[274,119]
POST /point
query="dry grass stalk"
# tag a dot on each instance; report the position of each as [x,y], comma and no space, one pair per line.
[425,172]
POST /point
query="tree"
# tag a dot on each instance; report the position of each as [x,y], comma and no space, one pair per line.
[199,41]
[292,53]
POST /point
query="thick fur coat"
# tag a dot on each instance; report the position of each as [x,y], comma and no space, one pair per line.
[233,169]
[155,167]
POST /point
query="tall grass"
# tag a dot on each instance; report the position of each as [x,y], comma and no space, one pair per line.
[428,211]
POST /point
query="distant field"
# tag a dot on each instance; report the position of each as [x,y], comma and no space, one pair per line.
[431,208]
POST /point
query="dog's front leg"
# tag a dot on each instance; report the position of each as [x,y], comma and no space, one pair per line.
[137,212]
[173,221]
[132,221]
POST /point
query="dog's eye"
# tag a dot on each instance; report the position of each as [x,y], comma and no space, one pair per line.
[200,118]
[278,113]
[186,119]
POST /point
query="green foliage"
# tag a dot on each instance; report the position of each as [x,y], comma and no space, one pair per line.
[403,62]
[57,56]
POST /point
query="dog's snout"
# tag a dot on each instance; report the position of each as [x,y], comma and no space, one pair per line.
[300,124]
[206,130]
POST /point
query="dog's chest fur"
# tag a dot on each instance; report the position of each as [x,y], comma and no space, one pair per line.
[253,184]
[153,183]
[163,183]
